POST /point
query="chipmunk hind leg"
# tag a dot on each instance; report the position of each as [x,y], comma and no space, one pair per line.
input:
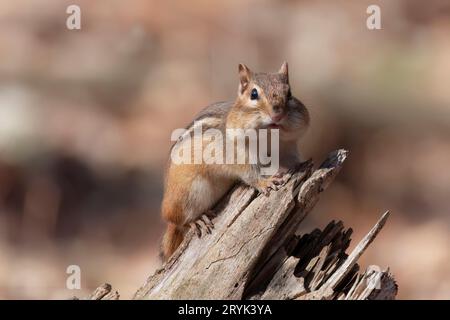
[191,192]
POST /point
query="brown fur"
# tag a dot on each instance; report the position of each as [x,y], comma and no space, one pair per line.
[192,189]
[172,239]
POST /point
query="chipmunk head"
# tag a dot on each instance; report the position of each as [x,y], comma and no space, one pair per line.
[265,101]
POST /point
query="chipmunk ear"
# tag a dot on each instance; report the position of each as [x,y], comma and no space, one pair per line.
[245,76]
[284,70]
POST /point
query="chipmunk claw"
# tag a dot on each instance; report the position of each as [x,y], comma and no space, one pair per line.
[208,223]
[197,228]
[265,191]
[273,183]
[280,179]
[202,225]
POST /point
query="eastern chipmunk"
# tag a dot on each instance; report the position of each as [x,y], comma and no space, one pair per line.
[264,101]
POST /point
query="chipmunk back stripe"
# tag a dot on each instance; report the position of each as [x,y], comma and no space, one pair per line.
[264,100]
[218,110]
[206,122]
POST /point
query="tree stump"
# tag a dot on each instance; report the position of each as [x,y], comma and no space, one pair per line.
[254,253]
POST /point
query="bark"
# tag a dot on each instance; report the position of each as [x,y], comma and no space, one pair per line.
[254,253]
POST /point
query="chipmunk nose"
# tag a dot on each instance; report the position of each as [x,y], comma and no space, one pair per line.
[277,113]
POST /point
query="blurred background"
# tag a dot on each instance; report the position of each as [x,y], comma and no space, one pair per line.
[86,117]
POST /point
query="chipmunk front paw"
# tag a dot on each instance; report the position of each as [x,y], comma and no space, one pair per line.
[280,178]
[202,225]
[275,182]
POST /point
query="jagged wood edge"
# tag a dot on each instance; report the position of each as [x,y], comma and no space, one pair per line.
[319,268]
[103,292]
[277,251]
[291,203]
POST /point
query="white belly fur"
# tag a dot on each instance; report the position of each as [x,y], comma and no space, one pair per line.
[203,195]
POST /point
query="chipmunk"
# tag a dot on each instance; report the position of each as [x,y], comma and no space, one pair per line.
[264,101]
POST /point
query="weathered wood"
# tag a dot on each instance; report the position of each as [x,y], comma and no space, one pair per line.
[254,253]
[337,277]
[103,292]
[100,292]
[320,269]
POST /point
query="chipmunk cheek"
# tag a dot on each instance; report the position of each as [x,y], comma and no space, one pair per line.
[253,103]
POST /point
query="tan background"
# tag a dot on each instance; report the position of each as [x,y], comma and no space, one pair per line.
[86,117]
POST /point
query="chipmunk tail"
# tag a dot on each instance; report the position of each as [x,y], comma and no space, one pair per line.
[171,241]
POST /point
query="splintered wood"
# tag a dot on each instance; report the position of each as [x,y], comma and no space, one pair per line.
[254,252]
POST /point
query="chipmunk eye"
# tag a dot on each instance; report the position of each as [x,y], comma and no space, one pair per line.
[254,94]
